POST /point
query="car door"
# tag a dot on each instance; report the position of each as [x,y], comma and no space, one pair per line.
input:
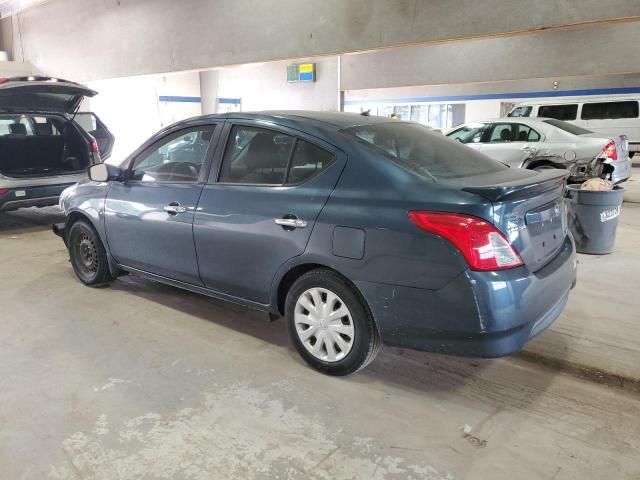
[149,216]
[92,124]
[510,143]
[260,206]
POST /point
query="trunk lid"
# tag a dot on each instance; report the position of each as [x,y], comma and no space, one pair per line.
[41,94]
[528,207]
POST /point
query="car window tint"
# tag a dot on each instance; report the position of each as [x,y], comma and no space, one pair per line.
[176,159]
[502,133]
[471,133]
[256,156]
[524,133]
[609,110]
[568,127]
[308,159]
[559,112]
[422,151]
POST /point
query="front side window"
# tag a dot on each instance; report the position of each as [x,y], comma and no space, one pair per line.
[256,156]
[609,110]
[175,159]
[422,151]
[559,112]
[471,133]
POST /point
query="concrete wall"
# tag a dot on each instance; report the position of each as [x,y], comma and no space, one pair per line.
[132,109]
[264,86]
[588,50]
[113,38]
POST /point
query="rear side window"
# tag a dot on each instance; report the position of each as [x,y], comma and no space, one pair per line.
[609,110]
[256,156]
[568,127]
[559,112]
[421,151]
[308,160]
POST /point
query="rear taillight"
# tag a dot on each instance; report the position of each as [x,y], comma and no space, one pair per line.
[482,245]
[94,146]
[3,80]
[609,151]
[3,191]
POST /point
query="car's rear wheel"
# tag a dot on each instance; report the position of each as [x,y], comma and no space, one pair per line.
[330,324]
[88,256]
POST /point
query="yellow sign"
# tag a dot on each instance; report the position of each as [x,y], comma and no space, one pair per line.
[305,68]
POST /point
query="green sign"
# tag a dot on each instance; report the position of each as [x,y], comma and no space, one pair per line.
[303,72]
[292,73]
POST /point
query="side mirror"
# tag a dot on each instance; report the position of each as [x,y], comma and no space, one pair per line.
[103,172]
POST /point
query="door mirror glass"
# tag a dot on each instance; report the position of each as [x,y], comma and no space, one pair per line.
[104,173]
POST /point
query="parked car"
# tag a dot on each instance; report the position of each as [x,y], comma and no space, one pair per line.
[358,230]
[608,116]
[43,145]
[543,143]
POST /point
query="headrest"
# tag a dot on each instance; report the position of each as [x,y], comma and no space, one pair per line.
[17,129]
[43,128]
[505,134]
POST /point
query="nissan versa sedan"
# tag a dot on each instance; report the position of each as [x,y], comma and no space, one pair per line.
[45,143]
[358,230]
[544,143]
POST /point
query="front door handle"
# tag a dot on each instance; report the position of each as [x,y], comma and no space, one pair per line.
[290,222]
[174,208]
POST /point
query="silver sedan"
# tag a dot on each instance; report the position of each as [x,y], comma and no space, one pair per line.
[543,143]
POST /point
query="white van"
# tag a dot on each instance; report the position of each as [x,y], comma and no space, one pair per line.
[606,115]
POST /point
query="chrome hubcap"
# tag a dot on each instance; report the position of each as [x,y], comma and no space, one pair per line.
[324,324]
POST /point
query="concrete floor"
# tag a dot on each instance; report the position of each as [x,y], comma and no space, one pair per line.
[142,380]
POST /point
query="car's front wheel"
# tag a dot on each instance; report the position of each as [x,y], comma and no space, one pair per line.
[88,256]
[330,324]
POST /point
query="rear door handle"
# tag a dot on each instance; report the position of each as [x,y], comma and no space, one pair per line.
[529,149]
[290,222]
[174,208]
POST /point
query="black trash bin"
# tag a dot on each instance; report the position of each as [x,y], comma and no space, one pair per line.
[593,218]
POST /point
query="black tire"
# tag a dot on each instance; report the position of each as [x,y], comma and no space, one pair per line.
[88,256]
[366,341]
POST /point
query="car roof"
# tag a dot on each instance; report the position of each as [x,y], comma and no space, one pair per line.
[531,121]
[329,120]
[587,99]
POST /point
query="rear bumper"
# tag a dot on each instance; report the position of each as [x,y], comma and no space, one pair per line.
[479,314]
[43,196]
[621,170]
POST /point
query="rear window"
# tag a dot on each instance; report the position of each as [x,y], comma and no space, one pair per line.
[559,112]
[421,151]
[568,127]
[609,110]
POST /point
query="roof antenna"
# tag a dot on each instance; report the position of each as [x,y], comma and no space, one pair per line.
[366,113]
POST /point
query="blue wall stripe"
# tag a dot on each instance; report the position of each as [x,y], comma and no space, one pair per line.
[177,98]
[233,101]
[496,96]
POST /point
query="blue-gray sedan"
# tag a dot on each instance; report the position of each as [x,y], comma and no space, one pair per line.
[358,230]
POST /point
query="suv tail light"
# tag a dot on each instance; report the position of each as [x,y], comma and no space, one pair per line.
[94,146]
[3,191]
[482,245]
[609,151]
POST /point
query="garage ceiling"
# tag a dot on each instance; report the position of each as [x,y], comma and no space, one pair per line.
[8,7]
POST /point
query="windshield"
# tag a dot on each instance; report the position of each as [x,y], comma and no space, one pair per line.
[422,151]
[567,127]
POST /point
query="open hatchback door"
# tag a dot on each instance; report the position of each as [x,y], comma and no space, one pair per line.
[34,95]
